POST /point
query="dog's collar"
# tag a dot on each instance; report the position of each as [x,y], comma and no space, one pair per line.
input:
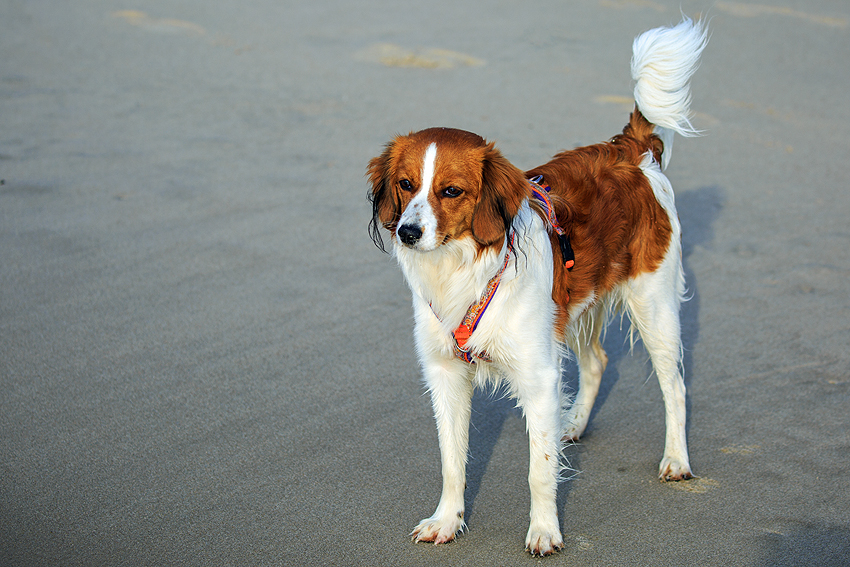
[540,191]
[475,312]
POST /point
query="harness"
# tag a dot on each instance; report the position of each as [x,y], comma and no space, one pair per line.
[540,192]
[475,312]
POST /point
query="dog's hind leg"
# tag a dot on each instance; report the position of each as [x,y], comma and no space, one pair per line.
[592,361]
[653,304]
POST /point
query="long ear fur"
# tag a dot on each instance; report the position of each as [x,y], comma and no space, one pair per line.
[385,208]
[503,188]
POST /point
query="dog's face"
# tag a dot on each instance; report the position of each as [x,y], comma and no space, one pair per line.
[441,184]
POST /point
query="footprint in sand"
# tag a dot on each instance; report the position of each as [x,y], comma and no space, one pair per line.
[392,55]
[755,10]
[159,25]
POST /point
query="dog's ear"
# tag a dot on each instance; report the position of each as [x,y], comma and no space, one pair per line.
[385,207]
[503,188]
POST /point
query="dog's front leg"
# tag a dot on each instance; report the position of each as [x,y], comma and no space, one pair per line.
[451,396]
[539,397]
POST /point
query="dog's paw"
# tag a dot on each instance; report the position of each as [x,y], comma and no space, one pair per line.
[438,530]
[576,422]
[674,469]
[572,434]
[543,542]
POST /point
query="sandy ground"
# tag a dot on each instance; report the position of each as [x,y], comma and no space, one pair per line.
[205,361]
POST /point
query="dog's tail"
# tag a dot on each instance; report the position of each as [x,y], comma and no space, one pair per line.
[663,61]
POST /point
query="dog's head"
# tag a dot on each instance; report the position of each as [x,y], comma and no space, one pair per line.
[441,184]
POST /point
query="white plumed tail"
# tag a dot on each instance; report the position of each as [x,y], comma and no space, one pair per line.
[663,61]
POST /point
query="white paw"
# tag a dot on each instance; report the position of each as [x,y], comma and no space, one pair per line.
[543,541]
[674,469]
[576,422]
[572,433]
[438,529]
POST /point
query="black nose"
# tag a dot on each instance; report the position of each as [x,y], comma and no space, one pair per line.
[409,234]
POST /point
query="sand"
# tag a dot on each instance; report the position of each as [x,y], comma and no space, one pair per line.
[205,361]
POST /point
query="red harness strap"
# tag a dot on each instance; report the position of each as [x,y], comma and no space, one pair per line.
[473,315]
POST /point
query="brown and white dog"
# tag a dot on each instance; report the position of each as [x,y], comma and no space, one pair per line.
[505,274]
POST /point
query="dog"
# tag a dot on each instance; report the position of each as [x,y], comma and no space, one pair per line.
[507,268]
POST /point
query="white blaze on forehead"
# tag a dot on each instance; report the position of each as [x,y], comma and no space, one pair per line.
[428,168]
[419,211]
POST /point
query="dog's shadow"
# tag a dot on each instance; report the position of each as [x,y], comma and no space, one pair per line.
[698,209]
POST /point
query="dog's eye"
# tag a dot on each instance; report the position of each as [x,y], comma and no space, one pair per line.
[452,192]
[405,185]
